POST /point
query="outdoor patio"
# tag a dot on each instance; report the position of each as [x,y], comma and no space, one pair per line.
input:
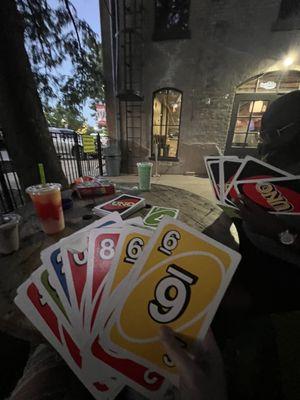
[193,184]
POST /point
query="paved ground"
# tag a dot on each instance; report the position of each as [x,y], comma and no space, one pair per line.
[193,184]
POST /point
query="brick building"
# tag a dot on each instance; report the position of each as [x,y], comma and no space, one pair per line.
[193,77]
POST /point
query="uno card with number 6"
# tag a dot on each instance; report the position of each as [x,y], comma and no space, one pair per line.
[130,247]
[178,281]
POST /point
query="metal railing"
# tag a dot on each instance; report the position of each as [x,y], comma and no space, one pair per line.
[74,162]
[11,196]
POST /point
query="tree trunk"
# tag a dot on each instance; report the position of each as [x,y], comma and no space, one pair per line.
[21,113]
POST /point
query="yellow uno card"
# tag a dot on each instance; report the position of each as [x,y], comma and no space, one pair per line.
[129,248]
[131,245]
[180,280]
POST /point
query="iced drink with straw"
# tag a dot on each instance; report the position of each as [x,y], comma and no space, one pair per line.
[145,172]
[47,202]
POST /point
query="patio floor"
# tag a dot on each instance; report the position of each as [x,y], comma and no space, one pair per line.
[199,186]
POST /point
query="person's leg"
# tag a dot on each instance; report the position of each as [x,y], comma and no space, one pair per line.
[47,377]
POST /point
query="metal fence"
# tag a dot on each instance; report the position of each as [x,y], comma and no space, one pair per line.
[74,162]
[11,196]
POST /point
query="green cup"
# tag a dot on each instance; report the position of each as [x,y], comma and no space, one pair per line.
[145,172]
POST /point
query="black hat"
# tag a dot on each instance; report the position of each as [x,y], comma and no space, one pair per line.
[281,121]
[280,131]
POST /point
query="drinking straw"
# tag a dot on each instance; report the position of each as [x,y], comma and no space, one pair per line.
[42,173]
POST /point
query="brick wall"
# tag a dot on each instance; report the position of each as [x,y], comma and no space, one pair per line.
[231,40]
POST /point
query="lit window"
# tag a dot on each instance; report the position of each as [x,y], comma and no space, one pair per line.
[166,118]
[171,19]
[251,101]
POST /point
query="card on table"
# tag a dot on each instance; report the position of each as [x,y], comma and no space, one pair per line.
[156,214]
[179,280]
[125,204]
[278,196]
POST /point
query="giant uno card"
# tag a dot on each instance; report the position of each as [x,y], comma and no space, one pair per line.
[253,169]
[178,281]
[278,196]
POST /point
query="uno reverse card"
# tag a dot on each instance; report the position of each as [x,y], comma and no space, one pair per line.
[156,214]
[278,196]
[179,280]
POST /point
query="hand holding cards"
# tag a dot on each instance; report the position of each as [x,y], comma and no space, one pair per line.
[274,190]
[104,292]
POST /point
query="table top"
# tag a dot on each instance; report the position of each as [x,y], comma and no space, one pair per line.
[196,211]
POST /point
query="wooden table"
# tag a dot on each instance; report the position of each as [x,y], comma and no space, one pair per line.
[16,268]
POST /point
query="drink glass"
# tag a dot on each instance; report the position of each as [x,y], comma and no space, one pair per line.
[145,172]
[47,202]
[9,233]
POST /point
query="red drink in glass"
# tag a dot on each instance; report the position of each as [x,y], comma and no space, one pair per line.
[47,202]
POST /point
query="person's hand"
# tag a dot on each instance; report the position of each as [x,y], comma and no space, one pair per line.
[259,220]
[201,374]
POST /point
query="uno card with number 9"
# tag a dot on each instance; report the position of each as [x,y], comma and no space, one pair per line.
[178,281]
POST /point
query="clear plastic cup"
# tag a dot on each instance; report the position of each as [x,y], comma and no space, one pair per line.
[145,172]
[47,202]
[9,233]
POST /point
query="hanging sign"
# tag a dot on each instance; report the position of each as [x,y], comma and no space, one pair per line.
[101,114]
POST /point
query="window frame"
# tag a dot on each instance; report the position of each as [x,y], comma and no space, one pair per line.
[242,151]
[160,35]
[162,158]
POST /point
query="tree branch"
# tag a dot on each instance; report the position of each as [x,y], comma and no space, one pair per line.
[67,4]
[38,35]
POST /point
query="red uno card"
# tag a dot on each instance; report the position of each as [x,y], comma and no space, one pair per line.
[124,205]
[279,196]
[60,336]
[102,248]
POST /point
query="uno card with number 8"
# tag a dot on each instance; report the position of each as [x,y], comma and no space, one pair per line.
[178,281]
[102,249]
[130,247]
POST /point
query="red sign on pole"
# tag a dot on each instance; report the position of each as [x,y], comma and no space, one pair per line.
[101,114]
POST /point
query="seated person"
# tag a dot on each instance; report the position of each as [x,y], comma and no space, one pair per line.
[270,244]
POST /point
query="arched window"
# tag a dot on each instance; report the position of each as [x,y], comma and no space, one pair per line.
[251,100]
[166,116]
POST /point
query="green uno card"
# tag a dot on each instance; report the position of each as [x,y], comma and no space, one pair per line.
[156,214]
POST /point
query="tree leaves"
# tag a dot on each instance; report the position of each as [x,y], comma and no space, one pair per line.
[54,35]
